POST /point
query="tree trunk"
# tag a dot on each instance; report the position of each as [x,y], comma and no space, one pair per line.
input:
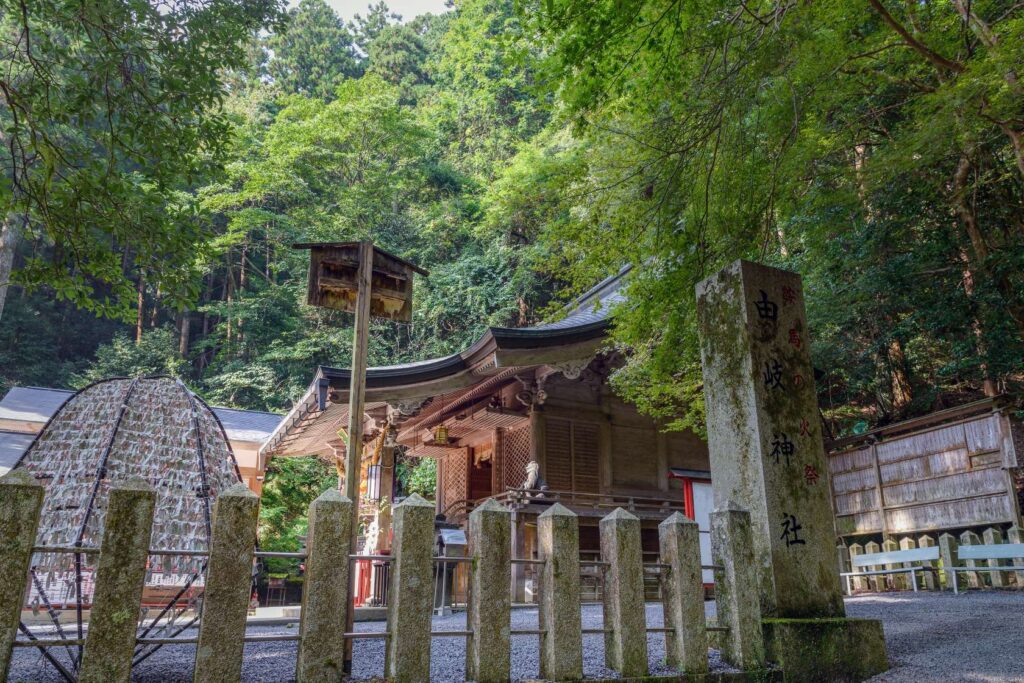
[9,236]
[185,331]
[988,384]
[140,307]
[965,208]
[902,393]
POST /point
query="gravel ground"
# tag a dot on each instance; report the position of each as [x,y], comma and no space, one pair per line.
[976,637]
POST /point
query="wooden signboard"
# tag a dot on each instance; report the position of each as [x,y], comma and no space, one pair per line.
[333,280]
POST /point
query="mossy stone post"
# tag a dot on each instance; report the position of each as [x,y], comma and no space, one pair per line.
[768,456]
[993,536]
[228,582]
[860,583]
[843,565]
[907,543]
[1016,535]
[325,599]
[738,601]
[625,640]
[948,553]
[488,656]
[877,581]
[686,644]
[120,578]
[974,579]
[561,644]
[897,581]
[928,577]
[21,501]
[410,602]
[764,433]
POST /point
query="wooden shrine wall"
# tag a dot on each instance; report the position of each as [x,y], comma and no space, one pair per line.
[947,477]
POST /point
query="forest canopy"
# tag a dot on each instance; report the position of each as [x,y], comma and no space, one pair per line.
[157,166]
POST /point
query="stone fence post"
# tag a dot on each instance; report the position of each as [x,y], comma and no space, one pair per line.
[686,644]
[948,554]
[843,565]
[625,619]
[561,644]
[228,582]
[876,583]
[1016,535]
[21,501]
[736,594]
[859,582]
[930,579]
[974,579]
[994,536]
[489,652]
[120,577]
[410,602]
[325,599]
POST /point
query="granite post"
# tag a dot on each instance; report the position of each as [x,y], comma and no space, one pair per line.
[325,599]
[561,644]
[489,652]
[625,640]
[877,581]
[974,579]
[1016,535]
[897,581]
[994,536]
[739,608]
[767,455]
[948,553]
[860,583]
[120,577]
[686,644]
[907,543]
[21,501]
[928,577]
[410,602]
[228,582]
[764,433]
[843,565]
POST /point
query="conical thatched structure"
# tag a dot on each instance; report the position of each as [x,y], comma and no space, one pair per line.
[152,427]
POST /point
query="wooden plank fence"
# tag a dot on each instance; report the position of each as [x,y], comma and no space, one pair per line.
[109,648]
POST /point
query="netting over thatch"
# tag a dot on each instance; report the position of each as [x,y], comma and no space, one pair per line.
[154,428]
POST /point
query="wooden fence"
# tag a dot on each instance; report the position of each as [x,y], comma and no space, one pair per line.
[114,636]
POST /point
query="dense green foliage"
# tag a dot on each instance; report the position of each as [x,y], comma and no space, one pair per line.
[522,152]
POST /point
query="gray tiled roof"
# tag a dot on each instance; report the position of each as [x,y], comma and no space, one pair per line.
[32,404]
[593,306]
[38,404]
[12,445]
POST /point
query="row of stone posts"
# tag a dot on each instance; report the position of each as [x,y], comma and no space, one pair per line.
[948,545]
[120,574]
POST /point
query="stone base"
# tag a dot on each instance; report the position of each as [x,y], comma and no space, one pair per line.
[763,676]
[841,650]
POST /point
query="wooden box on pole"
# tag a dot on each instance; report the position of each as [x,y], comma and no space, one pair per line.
[358,278]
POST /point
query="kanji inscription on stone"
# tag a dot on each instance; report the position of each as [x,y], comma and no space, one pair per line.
[764,435]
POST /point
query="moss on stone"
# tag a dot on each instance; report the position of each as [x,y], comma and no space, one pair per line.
[826,649]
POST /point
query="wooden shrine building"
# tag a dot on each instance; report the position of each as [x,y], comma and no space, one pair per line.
[525,416]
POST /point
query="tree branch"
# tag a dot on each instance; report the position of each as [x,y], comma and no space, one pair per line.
[934,57]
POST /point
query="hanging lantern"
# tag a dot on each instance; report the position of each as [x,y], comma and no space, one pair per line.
[441,435]
[374,482]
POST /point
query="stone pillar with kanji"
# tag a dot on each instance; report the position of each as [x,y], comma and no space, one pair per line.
[764,433]
[768,456]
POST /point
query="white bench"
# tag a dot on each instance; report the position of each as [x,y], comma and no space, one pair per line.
[893,557]
[997,551]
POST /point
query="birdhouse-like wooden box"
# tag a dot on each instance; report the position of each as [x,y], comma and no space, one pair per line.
[334,280]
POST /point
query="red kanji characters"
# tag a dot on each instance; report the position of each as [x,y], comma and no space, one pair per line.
[805,427]
[810,475]
[794,338]
[788,295]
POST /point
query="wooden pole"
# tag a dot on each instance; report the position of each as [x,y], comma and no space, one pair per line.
[356,400]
